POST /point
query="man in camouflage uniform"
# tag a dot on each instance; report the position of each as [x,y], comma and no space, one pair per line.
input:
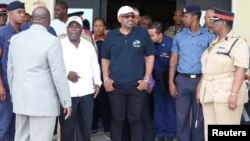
[177,27]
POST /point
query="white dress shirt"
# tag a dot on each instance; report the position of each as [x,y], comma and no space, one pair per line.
[59,26]
[82,60]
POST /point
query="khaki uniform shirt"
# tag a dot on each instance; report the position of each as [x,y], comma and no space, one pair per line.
[218,69]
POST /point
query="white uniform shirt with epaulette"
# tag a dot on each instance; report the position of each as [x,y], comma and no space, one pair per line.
[219,63]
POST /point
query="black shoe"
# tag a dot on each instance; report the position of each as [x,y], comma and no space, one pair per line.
[170,139]
[161,139]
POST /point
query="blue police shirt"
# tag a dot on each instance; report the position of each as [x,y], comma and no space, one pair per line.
[51,30]
[127,55]
[190,48]
[162,56]
[5,34]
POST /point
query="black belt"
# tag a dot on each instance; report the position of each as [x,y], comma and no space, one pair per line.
[191,75]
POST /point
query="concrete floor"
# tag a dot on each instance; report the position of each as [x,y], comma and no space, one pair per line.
[97,137]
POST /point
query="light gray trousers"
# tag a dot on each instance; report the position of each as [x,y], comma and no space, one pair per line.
[34,128]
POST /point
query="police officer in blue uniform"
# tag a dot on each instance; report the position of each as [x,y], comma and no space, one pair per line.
[164,103]
[188,46]
[3,14]
[7,118]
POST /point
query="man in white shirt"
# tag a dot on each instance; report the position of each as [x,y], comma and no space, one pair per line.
[84,81]
[61,17]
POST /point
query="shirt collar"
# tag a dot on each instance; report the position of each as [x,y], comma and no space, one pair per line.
[102,39]
[200,31]
[229,35]
[117,31]
[37,26]
[10,28]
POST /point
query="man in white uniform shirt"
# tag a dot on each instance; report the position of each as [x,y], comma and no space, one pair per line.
[84,81]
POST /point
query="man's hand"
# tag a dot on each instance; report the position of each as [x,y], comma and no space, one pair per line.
[97,90]
[67,111]
[143,85]
[2,93]
[198,94]
[73,76]
[172,89]
[108,84]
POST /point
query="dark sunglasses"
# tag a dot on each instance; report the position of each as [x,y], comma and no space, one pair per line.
[128,16]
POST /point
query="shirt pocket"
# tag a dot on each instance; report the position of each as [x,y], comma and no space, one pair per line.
[222,89]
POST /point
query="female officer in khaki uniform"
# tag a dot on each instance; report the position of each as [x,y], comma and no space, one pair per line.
[221,91]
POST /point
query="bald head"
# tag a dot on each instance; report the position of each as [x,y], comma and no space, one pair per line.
[38,4]
[208,22]
[41,16]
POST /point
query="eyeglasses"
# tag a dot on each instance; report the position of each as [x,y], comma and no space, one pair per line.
[128,16]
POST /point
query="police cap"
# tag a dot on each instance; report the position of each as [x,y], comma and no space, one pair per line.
[15,5]
[220,14]
[3,8]
[78,13]
[192,9]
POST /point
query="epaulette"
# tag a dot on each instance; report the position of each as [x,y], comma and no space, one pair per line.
[90,39]
[61,36]
[87,37]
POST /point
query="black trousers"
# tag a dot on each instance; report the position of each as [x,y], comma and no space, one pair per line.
[78,126]
[128,102]
[147,119]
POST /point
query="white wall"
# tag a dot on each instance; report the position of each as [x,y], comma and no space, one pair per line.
[241,23]
[6,1]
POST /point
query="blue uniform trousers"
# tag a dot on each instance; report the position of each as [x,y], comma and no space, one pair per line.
[186,103]
[7,120]
[164,113]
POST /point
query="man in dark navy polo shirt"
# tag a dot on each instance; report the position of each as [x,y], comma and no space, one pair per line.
[7,119]
[127,63]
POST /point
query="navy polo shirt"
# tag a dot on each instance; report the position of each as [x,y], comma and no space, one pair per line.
[5,34]
[127,55]
[190,48]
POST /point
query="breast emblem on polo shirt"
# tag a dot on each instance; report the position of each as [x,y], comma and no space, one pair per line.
[136,44]
[163,54]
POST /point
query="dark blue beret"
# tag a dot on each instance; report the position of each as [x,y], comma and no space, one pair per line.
[3,8]
[15,5]
[191,9]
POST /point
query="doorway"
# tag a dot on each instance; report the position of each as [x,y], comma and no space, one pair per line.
[158,10]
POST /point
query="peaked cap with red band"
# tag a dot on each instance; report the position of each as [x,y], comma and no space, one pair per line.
[220,14]
[3,8]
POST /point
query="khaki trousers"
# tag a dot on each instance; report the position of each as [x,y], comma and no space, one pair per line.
[219,113]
